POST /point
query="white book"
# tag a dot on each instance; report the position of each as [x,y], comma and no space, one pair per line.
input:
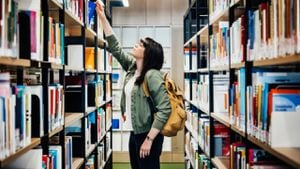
[59,156]
[75,56]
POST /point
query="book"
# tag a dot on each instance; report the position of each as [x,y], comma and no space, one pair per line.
[75,56]
[89,58]
[30,160]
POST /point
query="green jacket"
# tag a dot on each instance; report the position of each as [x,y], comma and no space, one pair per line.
[141,115]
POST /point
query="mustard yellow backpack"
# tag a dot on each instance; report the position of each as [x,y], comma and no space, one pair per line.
[177,117]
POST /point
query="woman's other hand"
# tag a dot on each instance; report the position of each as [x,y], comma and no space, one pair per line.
[100,9]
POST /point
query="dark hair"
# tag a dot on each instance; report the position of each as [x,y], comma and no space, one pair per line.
[153,58]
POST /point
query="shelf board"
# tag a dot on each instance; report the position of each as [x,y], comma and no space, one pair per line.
[237,130]
[237,65]
[292,59]
[9,61]
[221,16]
[190,71]
[222,118]
[90,150]
[55,131]
[91,70]
[203,33]
[221,162]
[69,68]
[77,162]
[45,64]
[90,110]
[71,20]
[220,68]
[289,155]
[34,142]
[203,70]
[70,118]
[55,4]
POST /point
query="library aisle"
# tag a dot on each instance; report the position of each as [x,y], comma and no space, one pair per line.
[236,61]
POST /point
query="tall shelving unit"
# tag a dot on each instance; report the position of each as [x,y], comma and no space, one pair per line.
[76,31]
[200,25]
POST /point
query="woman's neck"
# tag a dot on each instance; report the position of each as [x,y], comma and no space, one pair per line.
[139,65]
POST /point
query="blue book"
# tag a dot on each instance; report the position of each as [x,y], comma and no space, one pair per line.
[286,102]
[53,153]
[91,11]
[242,97]
[62,43]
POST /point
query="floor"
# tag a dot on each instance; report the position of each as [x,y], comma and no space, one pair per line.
[162,166]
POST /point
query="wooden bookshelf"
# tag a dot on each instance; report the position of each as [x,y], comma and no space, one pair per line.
[55,131]
[289,155]
[292,59]
[54,4]
[203,37]
[91,70]
[72,20]
[222,118]
[90,150]
[237,130]
[221,16]
[90,110]
[70,118]
[77,163]
[221,162]
[69,68]
[50,65]
[8,61]
[34,142]
[220,68]
[237,65]
[203,70]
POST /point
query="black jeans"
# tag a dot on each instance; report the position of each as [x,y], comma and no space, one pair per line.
[151,161]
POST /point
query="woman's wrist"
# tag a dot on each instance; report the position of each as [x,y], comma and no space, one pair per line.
[149,139]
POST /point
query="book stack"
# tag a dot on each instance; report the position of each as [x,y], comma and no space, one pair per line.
[216,7]
[238,44]
[219,43]
[55,106]
[75,7]
[8,27]
[203,133]
[237,100]
[237,155]
[56,42]
[202,92]
[271,95]
[273,30]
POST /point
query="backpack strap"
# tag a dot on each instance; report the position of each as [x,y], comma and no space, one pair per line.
[149,99]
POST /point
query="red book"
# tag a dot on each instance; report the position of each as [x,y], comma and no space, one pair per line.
[45,160]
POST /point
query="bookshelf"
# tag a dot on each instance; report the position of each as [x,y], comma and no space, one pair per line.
[50,72]
[218,97]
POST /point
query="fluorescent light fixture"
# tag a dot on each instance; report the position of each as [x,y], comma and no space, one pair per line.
[119,3]
[125,3]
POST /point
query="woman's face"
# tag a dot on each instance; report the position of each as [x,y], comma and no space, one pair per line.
[138,50]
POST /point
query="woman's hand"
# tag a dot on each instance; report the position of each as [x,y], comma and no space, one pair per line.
[100,9]
[145,148]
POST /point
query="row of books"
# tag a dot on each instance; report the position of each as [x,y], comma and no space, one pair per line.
[75,7]
[202,92]
[192,119]
[238,41]
[273,99]
[257,158]
[220,92]
[216,7]
[273,29]
[191,147]
[21,23]
[56,106]
[188,87]
[75,58]
[56,42]
[219,45]
[193,59]
[204,134]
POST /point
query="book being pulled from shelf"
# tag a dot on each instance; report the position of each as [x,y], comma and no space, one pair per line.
[219,43]
[91,11]
[19,106]
[273,99]
[273,30]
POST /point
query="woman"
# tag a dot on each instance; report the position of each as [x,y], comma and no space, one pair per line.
[145,142]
